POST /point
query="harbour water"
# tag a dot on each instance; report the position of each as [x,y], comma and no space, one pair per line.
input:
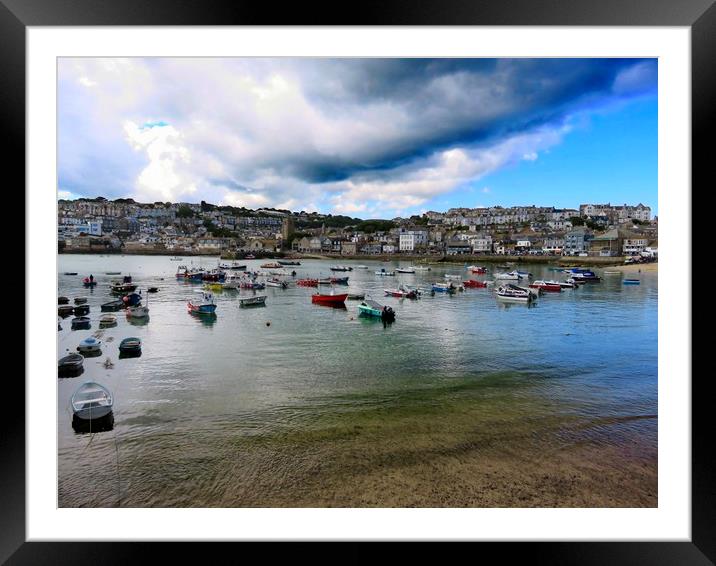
[463,401]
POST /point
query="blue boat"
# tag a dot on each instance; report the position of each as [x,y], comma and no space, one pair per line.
[207,306]
[132,300]
[631,282]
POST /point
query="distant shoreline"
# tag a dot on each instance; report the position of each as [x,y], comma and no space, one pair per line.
[566,261]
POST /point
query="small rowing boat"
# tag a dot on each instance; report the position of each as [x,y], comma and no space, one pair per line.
[91,402]
[206,306]
[374,309]
[70,366]
[329,299]
[259,300]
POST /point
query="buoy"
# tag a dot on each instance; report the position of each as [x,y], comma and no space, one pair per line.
[268,323]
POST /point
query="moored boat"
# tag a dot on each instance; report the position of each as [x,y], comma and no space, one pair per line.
[405,270]
[547,286]
[401,293]
[329,299]
[288,262]
[121,288]
[374,309]
[473,283]
[81,310]
[206,306]
[339,280]
[90,403]
[631,282]
[385,273]
[70,365]
[132,300]
[107,320]
[276,283]
[270,265]
[476,269]
[80,300]
[355,296]
[65,310]
[509,293]
[131,345]
[87,282]
[112,306]
[80,322]
[138,311]
[256,301]
[89,345]
[62,300]
[340,268]
[153,290]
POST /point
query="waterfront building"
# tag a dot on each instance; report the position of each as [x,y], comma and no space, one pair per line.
[576,241]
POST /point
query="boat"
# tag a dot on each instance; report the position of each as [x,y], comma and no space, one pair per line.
[182,271]
[232,266]
[252,285]
[153,289]
[361,267]
[325,281]
[288,262]
[256,301]
[385,273]
[474,284]
[329,299]
[89,346]
[340,268]
[422,268]
[307,282]
[405,270]
[401,293]
[276,283]
[509,293]
[132,300]
[549,287]
[206,306]
[107,320]
[568,284]
[576,282]
[339,280]
[91,402]
[130,345]
[113,273]
[355,296]
[121,288]
[447,287]
[62,300]
[80,322]
[374,309]
[631,282]
[213,275]
[70,366]
[112,306]
[65,310]
[230,285]
[80,300]
[511,276]
[270,265]
[176,258]
[476,269]
[250,256]
[70,273]
[81,310]
[587,276]
[87,282]
[138,311]
[449,276]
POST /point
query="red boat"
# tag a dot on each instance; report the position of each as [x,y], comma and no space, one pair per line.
[332,300]
[479,270]
[307,282]
[547,287]
[474,283]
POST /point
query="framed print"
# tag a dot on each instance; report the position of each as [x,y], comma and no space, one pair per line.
[390,279]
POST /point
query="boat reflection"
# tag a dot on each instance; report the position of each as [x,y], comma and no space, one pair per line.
[85,426]
[207,319]
[130,354]
[143,321]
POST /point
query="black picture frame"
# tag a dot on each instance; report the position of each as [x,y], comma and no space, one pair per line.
[17,15]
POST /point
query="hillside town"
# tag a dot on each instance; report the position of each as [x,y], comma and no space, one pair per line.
[99,225]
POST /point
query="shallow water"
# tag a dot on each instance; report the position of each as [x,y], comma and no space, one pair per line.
[325,408]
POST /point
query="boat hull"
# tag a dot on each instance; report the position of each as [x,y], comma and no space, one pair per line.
[201,309]
[329,299]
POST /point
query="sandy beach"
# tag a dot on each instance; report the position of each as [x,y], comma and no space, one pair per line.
[636,268]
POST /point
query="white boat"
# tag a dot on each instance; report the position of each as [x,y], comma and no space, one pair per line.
[422,268]
[138,311]
[511,276]
[513,294]
[276,283]
[405,270]
[176,259]
[91,401]
[449,276]
[385,273]
[89,346]
[361,267]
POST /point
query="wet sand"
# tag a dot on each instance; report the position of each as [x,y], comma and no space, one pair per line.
[636,268]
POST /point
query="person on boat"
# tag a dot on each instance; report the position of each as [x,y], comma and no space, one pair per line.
[91,278]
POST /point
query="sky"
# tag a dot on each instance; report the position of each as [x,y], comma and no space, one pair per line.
[371,138]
